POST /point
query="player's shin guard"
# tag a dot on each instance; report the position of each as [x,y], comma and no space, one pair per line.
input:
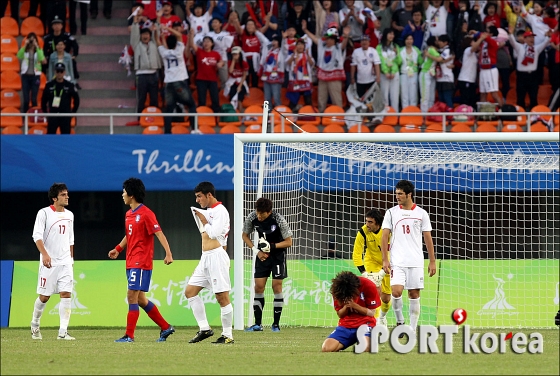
[38,308]
[278,304]
[414,310]
[153,313]
[64,311]
[258,305]
[227,320]
[199,312]
[132,319]
[397,307]
[385,308]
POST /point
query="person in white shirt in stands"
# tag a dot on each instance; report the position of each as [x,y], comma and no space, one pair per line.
[436,16]
[405,224]
[527,63]
[222,43]
[467,74]
[445,80]
[53,235]
[366,62]
[199,20]
[177,88]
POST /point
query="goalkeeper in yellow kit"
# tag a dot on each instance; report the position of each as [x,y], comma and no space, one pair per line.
[367,257]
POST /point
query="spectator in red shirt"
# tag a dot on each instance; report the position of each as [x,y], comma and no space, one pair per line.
[167,18]
[251,45]
[233,27]
[488,56]
[355,300]
[492,18]
[141,226]
[237,82]
[208,62]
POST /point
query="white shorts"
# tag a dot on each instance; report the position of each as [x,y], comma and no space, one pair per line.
[55,280]
[410,278]
[212,272]
[488,80]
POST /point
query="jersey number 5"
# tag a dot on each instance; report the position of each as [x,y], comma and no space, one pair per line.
[130,229]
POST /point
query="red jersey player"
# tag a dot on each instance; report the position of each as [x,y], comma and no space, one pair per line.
[355,300]
[140,225]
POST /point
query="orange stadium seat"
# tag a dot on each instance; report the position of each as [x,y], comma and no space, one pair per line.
[11,121]
[37,130]
[9,62]
[337,119]
[10,80]
[253,120]
[32,25]
[152,129]
[384,128]
[207,129]
[409,128]
[539,127]
[9,26]
[9,98]
[486,126]
[310,128]
[205,120]
[432,127]
[307,110]
[178,128]
[24,9]
[461,128]
[230,129]
[42,84]
[12,130]
[9,44]
[253,128]
[287,128]
[254,97]
[391,119]
[283,111]
[410,120]
[334,128]
[358,129]
[542,108]
[509,127]
[148,119]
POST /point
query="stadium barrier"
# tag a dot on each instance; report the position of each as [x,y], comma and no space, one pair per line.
[99,295]
[6,269]
[445,116]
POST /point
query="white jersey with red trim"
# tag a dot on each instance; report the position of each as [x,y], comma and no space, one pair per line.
[218,223]
[56,230]
[406,228]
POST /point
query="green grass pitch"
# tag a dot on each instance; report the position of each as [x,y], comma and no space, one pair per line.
[292,351]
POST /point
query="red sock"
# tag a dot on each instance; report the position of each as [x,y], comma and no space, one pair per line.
[132,319]
[153,313]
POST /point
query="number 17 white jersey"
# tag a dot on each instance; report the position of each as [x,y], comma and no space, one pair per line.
[56,230]
[406,228]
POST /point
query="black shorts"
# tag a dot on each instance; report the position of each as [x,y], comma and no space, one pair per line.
[275,263]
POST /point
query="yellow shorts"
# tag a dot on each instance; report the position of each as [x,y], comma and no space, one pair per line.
[386,283]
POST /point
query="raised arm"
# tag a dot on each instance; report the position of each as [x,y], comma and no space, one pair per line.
[311,36]
[191,40]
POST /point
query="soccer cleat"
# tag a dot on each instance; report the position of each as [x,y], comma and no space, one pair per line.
[254,328]
[125,338]
[36,333]
[223,340]
[66,337]
[382,321]
[275,328]
[202,335]
[165,333]
[402,334]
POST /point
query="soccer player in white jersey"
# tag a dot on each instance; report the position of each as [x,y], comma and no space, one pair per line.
[212,272]
[177,89]
[406,223]
[53,235]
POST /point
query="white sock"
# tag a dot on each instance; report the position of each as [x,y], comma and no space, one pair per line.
[199,312]
[414,310]
[38,308]
[64,311]
[227,320]
[397,308]
[382,314]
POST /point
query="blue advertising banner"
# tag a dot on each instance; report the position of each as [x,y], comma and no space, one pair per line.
[7,270]
[179,162]
[103,162]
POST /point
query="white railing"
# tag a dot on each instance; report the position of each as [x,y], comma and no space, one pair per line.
[342,115]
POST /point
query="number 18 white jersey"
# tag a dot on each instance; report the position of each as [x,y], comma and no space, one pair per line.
[56,230]
[406,235]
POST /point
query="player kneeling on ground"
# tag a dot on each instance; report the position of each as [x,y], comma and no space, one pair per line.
[355,300]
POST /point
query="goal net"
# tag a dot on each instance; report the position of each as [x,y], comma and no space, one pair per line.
[493,200]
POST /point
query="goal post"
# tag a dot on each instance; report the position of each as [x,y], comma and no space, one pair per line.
[493,200]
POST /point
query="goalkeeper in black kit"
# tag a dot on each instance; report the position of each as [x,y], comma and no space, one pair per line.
[275,237]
